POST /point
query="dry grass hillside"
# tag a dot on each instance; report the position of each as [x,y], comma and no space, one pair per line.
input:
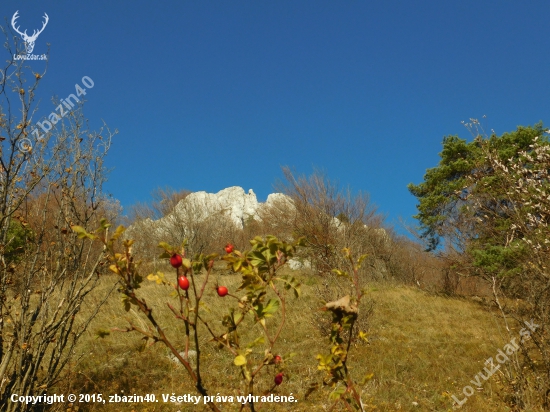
[422,349]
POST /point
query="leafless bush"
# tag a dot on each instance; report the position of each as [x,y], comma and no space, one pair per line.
[163,201]
[330,219]
[45,187]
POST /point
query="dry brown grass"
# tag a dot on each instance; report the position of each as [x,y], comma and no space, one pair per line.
[423,348]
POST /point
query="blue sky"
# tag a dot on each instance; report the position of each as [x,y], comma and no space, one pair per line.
[213,94]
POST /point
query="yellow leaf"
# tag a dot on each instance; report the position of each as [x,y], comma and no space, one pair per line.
[367,378]
[360,260]
[159,277]
[115,269]
[239,360]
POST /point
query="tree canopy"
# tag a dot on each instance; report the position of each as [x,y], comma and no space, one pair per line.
[446,208]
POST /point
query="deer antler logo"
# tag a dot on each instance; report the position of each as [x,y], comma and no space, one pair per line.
[29,40]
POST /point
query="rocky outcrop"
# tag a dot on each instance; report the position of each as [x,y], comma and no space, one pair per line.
[237,204]
[216,215]
[233,202]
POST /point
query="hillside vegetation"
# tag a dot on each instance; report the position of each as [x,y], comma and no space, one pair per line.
[422,349]
[316,298]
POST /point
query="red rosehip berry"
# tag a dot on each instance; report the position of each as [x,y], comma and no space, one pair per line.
[183,282]
[279,378]
[229,248]
[176,260]
[277,359]
[222,291]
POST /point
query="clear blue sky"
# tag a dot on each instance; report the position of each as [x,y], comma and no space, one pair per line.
[212,94]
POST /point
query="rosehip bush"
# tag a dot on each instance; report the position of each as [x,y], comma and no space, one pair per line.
[261,295]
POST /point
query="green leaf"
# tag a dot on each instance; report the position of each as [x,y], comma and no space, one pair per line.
[271,307]
[259,309]
[257,258]
[337,392]
[104,224]
[273,247]
[166,247]
[237,317]
[78,229]
[257,341]
[291,283]
[340,272]
[82,233]
[197,267]
[127,303]
[102,333]
[237,264]
[271,258]
[210,257]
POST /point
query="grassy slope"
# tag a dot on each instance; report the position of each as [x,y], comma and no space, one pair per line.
[422,350]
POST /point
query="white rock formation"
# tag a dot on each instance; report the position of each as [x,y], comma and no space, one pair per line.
[238,205]
[234,203]
[277,197]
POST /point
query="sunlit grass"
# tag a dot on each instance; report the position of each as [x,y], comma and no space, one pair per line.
[423,349]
